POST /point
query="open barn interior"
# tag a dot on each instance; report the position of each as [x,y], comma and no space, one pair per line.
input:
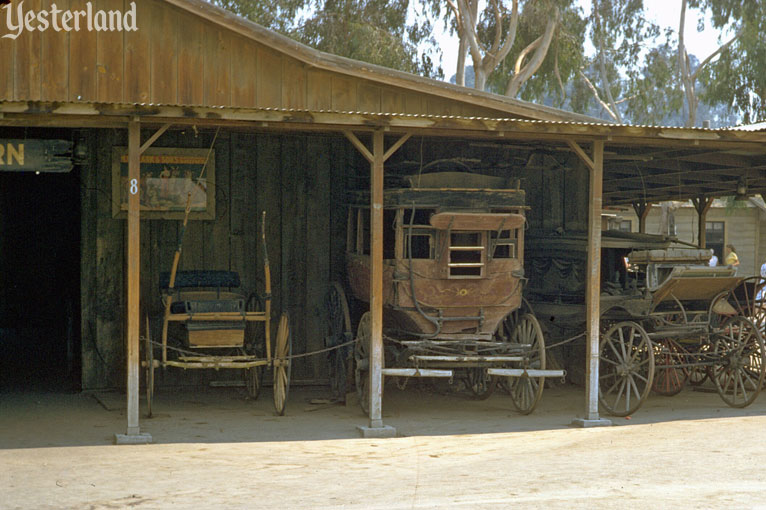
[40,275]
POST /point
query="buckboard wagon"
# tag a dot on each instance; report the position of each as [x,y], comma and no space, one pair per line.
[208,324]
[667,319]
[452,288]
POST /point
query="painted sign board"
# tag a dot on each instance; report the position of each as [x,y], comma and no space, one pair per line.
[33,155]
[169,178]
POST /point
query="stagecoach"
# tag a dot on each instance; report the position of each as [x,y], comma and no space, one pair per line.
[453,276]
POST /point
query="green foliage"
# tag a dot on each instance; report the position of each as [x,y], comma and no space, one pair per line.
[374,31]
[738,76]
[565,55]
[278,15]
[654,91]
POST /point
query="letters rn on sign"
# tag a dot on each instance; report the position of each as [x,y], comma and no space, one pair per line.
[32,155]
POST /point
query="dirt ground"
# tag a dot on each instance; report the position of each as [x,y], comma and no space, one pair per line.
[216,449]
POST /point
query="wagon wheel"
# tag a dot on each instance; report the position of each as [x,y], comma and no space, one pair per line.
[362,361]
[526,391]
[739,376]
[149,355]
[282,364]
[339,322]
[481,384]
[669,378]
[699,374]
[747,299]
[254,381]
[626,368]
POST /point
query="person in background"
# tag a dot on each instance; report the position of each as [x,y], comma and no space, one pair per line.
[761,295]
[731,257]
[713,260]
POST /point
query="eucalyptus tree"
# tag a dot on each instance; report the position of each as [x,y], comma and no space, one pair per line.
[374,31]
[735,73]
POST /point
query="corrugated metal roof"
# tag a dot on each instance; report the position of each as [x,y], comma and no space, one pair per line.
[64,108]
[759,126]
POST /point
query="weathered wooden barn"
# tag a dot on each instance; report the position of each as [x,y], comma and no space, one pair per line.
[280,119]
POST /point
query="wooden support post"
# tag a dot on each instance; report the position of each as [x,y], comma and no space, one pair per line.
[702,205]
[642,211]
[377,157]
[376,283]
[133,262]
[593,290]
[134,265]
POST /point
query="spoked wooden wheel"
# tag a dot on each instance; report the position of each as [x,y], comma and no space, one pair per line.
[149,360]
[282,364]
[481,384]
[669,378]
[747,299]
[739,376]
[362,361]
[626,368]
[526,391]
[254,381]
[339,323]
[699,374]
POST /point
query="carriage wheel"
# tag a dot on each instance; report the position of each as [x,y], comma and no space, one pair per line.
[254,381]
[481,384]
[669,379]
[526,391]
[282,364]
[339,321]
[740,375]
[626,368]
[699,374]
[747,299]
[149,358]
[362,361]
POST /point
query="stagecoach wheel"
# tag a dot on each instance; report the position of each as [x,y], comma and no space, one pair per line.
[339,322]
[626,368]
[526,391]
[149,358]
[738,346]
[282,364]
[481,384]
[254,381]
[362,361]
[669,378]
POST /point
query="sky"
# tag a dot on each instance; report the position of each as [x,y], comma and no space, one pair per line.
[663,12]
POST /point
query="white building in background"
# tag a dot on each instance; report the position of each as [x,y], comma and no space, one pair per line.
[741,223]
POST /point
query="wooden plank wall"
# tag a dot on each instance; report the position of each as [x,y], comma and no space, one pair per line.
[297,179]
[557,197]
[178,58]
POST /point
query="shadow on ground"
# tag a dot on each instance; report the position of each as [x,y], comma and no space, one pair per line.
[226,415]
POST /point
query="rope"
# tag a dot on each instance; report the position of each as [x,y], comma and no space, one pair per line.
[294,356]
[328,349]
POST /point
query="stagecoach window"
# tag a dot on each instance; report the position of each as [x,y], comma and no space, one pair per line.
[422,247]
[466,254]
[504,244]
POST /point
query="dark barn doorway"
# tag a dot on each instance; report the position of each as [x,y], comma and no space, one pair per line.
[40,281]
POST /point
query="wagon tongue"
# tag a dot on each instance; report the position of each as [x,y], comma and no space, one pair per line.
[476,221]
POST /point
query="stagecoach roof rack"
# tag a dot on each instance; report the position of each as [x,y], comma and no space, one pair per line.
[444,198]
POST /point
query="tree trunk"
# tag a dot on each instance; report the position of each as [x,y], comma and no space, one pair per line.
[460,72]
[685,72]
